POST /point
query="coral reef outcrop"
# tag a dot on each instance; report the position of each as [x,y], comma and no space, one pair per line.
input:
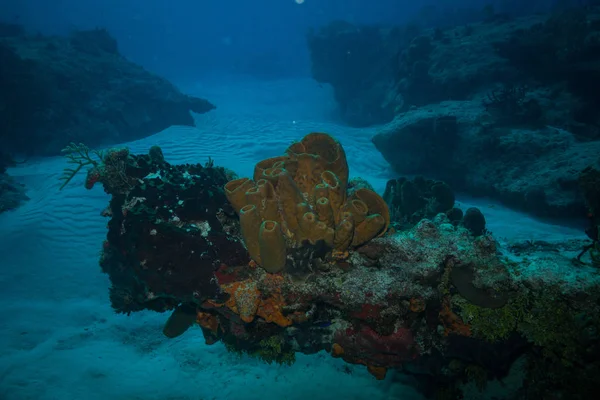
[412,200]
[452,309]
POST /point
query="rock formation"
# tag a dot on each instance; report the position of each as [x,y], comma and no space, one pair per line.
[58,90]
[505,108]
[450,307]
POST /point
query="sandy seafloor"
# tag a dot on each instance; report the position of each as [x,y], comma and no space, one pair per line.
[59,338]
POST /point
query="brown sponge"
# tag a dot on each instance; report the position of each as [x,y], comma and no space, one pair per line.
[272,247]
[301,199]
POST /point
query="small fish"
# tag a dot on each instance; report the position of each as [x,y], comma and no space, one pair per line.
[322,324]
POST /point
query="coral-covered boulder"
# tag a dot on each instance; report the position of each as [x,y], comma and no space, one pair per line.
[173,209]
[59,90]
[434,301]
[410,201]
[485,159]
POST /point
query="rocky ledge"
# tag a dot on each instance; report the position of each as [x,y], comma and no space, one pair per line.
[57,90]
[535,169]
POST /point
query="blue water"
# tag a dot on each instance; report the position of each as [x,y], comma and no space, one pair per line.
[59,337]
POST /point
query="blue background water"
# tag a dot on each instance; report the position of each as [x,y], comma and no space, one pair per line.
[187,38]
[59,337]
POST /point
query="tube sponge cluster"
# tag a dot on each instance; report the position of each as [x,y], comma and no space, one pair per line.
[300,198]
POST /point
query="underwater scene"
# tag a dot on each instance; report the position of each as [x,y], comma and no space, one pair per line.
[299,199]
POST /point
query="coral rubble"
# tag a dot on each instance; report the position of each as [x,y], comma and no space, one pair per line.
[265,268]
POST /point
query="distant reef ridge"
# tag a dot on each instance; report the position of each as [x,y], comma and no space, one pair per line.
[506,108]
[536,69]
[79,88]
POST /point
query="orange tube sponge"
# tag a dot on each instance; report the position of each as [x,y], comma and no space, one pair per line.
[270,209]
[250,222]
[325,233]
[308,173]
[261,166]
[272,174]
[272,247]
[308,226]
[254,196]
[368,229]
[320,191]
[336,193]
[375,204]
[358,209]
[344,232]
[324,211]
[327,152]
[302,197]
[236,192]
[289,198]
